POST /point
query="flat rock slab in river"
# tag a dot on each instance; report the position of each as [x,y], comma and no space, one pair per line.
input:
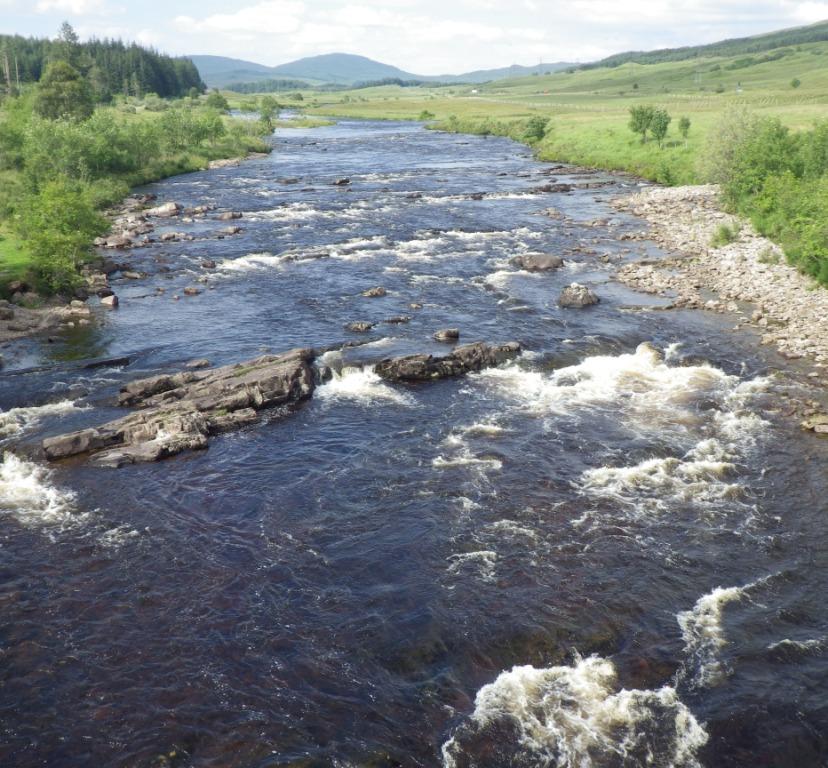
[180,411]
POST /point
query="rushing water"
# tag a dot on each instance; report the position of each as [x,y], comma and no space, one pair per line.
[611,552]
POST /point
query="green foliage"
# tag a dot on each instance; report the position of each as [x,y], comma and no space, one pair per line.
[659,125]
[796,82]
[58,223]
[725,235]
[218,102]
[425,116]
[111,66]
[535,130]
[63,94]
[56,174]
[684,127]
[641,118]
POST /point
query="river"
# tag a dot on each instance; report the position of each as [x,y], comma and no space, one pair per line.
[612,551]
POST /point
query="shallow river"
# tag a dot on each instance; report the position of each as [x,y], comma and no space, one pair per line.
[610,552]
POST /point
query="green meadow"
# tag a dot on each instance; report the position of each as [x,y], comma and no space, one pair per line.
[588,110]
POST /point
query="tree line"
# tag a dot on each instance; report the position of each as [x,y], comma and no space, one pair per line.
[110,66]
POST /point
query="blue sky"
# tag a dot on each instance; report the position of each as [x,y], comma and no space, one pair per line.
[422,36]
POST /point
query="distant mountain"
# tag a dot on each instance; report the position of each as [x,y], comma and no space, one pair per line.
[341,69]
[487,75]
[738,46]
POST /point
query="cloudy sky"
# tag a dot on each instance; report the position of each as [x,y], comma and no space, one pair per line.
[422,36]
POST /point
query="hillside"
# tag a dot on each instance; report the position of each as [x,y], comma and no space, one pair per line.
[741,46]
[343,69]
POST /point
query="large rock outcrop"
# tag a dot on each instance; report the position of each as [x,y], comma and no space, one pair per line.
[179,412]
[465,359]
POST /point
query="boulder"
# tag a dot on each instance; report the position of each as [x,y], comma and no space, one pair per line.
[398,320]
[6,313]
[191,290]
[462,360]
[110,301]
[179,412]
[448,335]
[230,215]
[538,262]
[342,182]
[359,326]
[165,211]
[230,231]
[208,264]
[817,424]
[577,296]
[198,364]
[376,292]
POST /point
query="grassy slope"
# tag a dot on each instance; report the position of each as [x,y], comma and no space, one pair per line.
[589,108]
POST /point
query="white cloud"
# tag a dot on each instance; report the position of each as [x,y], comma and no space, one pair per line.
[74,7]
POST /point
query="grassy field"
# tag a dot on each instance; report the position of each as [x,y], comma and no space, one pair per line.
[14,259]
[589,109]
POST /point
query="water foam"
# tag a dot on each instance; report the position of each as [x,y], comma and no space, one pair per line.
[574,717]
[704,638]
[17,420]
[27,494]
[362,385]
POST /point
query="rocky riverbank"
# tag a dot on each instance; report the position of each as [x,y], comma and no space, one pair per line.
[748,277]
[28,314]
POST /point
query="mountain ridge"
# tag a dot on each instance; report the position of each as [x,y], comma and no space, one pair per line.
[342,69]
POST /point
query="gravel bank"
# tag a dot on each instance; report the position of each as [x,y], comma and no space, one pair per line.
[787,307]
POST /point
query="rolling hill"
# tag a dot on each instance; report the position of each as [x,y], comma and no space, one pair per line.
[342,69]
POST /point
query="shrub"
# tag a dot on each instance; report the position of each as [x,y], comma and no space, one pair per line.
[641,117]
[535,129]
[58,223]
[725,235]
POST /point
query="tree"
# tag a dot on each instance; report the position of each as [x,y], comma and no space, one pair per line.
[68,44]
[684,127]
[58,223]
[641,118]
[216,101]
[535,128]
[796,82]
[268,108]
[63,93]
[659,125]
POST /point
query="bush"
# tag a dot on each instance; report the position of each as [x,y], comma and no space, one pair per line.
[726,234]
[536,128]
[59,222]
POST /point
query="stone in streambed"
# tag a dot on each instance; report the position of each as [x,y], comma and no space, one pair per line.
[538,262]
[360,326]
[577,296]
[465,359]
[447,335]
[376,292]
[179,412]
[110,301]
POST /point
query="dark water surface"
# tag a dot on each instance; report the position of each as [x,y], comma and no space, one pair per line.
[601,554]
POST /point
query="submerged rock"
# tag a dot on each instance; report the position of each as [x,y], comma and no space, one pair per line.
[360,326]
[465,359]
[577,296]
[447,335]
[538,262]
[373,293]
[179,412]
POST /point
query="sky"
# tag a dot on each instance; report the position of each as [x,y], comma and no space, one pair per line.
[426,37]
